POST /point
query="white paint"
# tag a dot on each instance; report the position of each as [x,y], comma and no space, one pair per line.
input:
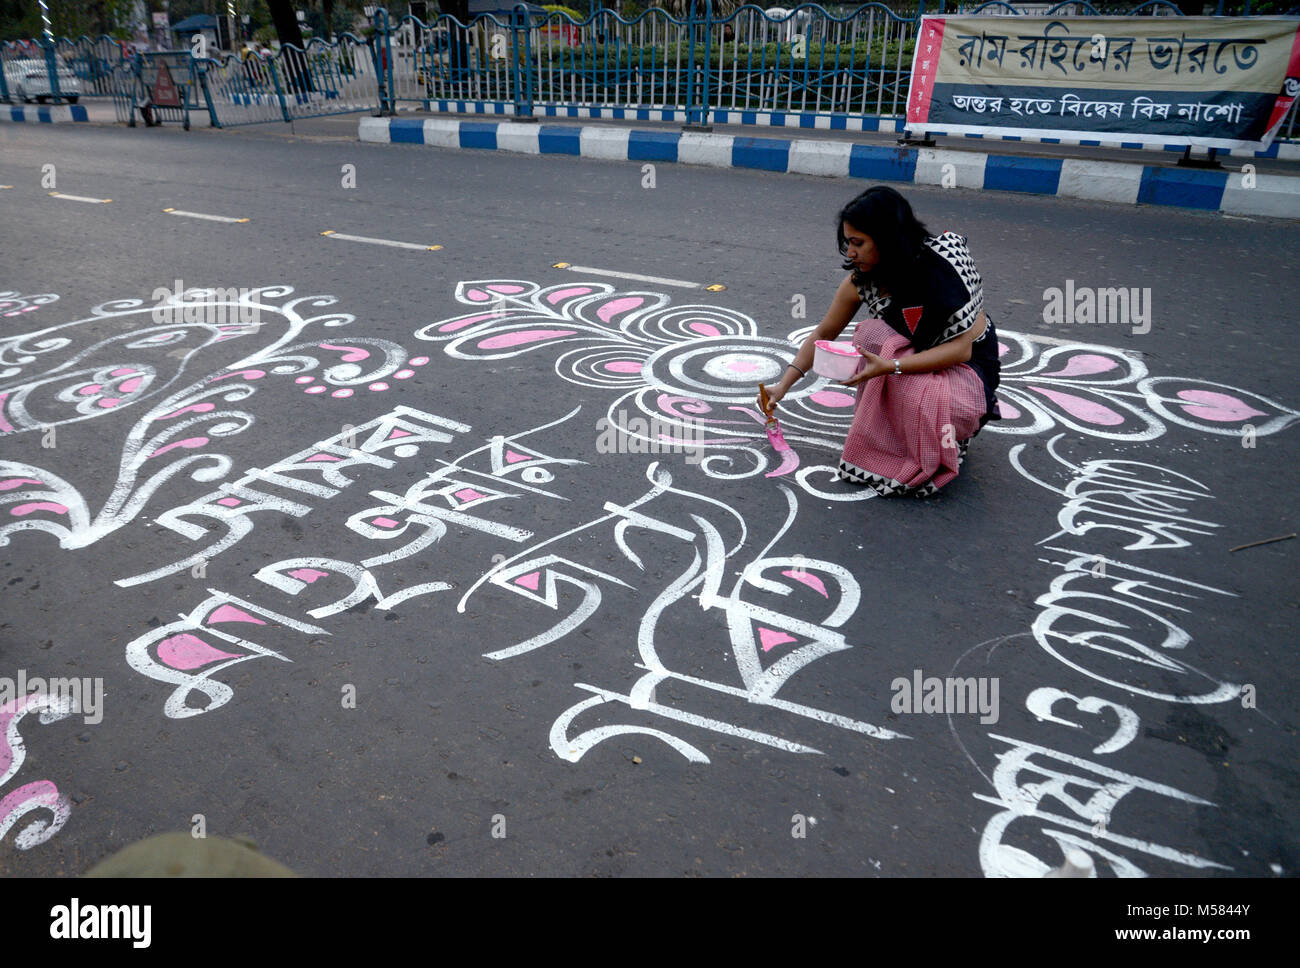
[217,693]
[826,158]
[1023,801]
[635,277]
[1276,196]
[1041,700]
[518,137]
[388,242]
[606,143]
[374,130]
[200,215]
[441,133]
[698,148]
[1104,181]
[80,198]
[968,165]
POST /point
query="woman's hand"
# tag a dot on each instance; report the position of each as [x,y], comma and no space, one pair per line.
[876,366]
[774,394]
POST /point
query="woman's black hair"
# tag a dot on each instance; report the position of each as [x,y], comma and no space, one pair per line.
[884,215]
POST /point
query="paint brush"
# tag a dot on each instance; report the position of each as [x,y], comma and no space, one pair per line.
[789,459]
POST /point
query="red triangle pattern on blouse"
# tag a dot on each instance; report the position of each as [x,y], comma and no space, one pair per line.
[912,315]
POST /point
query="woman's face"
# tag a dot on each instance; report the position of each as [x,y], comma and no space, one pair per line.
[861,250]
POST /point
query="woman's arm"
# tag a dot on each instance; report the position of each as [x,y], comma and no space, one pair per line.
[956,350]
[844,305]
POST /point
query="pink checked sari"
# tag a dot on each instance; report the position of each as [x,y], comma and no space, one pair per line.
[909,432]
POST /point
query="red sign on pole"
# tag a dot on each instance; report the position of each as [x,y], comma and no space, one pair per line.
[165,93]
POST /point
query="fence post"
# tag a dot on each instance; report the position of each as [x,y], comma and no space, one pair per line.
[275,77]
[708,49]
[523,78]
[200,67]
[51,68]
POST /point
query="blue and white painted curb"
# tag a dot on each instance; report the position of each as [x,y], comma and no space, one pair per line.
[1226,191]
[1284,151]
[41,114]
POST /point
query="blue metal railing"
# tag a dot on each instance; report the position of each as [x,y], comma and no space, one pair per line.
[807,61]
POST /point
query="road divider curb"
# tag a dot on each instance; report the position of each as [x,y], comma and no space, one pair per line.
[1237,192]
[44,114]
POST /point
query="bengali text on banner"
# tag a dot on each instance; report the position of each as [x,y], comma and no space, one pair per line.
[1212,82]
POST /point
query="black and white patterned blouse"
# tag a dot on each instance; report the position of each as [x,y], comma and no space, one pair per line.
[941,301]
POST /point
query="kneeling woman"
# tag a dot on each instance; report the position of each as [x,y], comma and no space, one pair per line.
[930,362]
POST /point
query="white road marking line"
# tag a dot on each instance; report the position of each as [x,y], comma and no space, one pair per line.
[635,277]
[81,198]
[210,218]
[396,245]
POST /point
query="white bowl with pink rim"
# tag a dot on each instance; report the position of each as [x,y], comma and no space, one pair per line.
[835,360]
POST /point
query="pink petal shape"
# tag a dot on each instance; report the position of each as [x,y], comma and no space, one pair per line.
[613,308]
[13,482]
[529,580]
[189,443]
[812,581]
[477,295]
[187,652]
[518,338]
[1087,410]
[230,502]
[384,522]
[321,457]
[251,374]
[351,354]
[507,289]
[467,494]
[456,324]
[623,366]
[131,385]
[1220,407]
[1008,411]
[514,457]
[195,407]
[771,638]
[397,432]
[308,575]
[1003,349]
[832,398]
[562,294]
[122,371]
[1084,364]
[90,388]
[229,613]
[705,329]
[22,509]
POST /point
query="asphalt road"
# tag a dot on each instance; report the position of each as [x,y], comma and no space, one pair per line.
[621,662]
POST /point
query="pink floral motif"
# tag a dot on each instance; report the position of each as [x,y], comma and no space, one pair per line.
[695,367]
